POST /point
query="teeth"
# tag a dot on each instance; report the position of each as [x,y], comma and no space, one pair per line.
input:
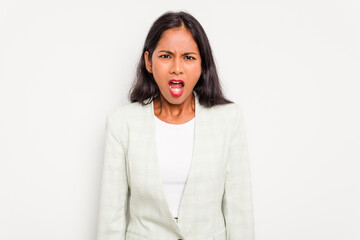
[176,88]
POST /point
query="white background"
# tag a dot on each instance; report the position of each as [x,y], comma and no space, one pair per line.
[292,65]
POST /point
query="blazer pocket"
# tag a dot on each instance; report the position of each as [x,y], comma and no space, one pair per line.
[220,235]
[130,235]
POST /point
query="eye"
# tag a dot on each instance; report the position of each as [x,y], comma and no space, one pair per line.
[165,55]
[191,57]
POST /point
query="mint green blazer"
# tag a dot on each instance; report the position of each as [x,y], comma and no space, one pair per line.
[217,200]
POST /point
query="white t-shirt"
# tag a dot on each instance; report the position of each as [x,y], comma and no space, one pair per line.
[175,147]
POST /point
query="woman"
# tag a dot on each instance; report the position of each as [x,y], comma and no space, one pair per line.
[176,160]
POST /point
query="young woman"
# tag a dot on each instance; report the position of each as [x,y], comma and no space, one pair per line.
[176,162]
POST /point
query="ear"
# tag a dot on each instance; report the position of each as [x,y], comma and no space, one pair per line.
[147,62]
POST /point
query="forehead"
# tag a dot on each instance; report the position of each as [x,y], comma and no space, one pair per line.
[177,39]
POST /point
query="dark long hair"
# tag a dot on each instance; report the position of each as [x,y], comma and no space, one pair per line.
[208,87]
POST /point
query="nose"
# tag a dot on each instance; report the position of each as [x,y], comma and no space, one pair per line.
[177,66]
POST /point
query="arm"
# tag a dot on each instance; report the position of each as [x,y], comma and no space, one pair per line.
[237,200]
[114,187]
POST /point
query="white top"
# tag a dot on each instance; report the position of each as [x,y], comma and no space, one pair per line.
[174,146]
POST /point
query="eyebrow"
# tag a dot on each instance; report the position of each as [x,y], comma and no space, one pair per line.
[166,51]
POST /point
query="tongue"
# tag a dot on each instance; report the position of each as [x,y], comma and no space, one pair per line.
[176,85]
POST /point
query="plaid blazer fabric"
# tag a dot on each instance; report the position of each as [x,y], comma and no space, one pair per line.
[217,199]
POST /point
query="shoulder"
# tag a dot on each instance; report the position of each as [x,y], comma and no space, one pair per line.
[126,111]
[119,117]
[227,109]
[229,113]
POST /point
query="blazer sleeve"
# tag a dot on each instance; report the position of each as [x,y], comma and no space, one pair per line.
[237,202]
[112,221]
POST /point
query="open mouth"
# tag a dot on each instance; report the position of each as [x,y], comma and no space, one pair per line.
[176,87]
[176,84]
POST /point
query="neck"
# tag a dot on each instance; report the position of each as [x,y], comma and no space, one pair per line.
[169,112]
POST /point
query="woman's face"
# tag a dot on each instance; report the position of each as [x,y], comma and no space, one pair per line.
[176,57]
